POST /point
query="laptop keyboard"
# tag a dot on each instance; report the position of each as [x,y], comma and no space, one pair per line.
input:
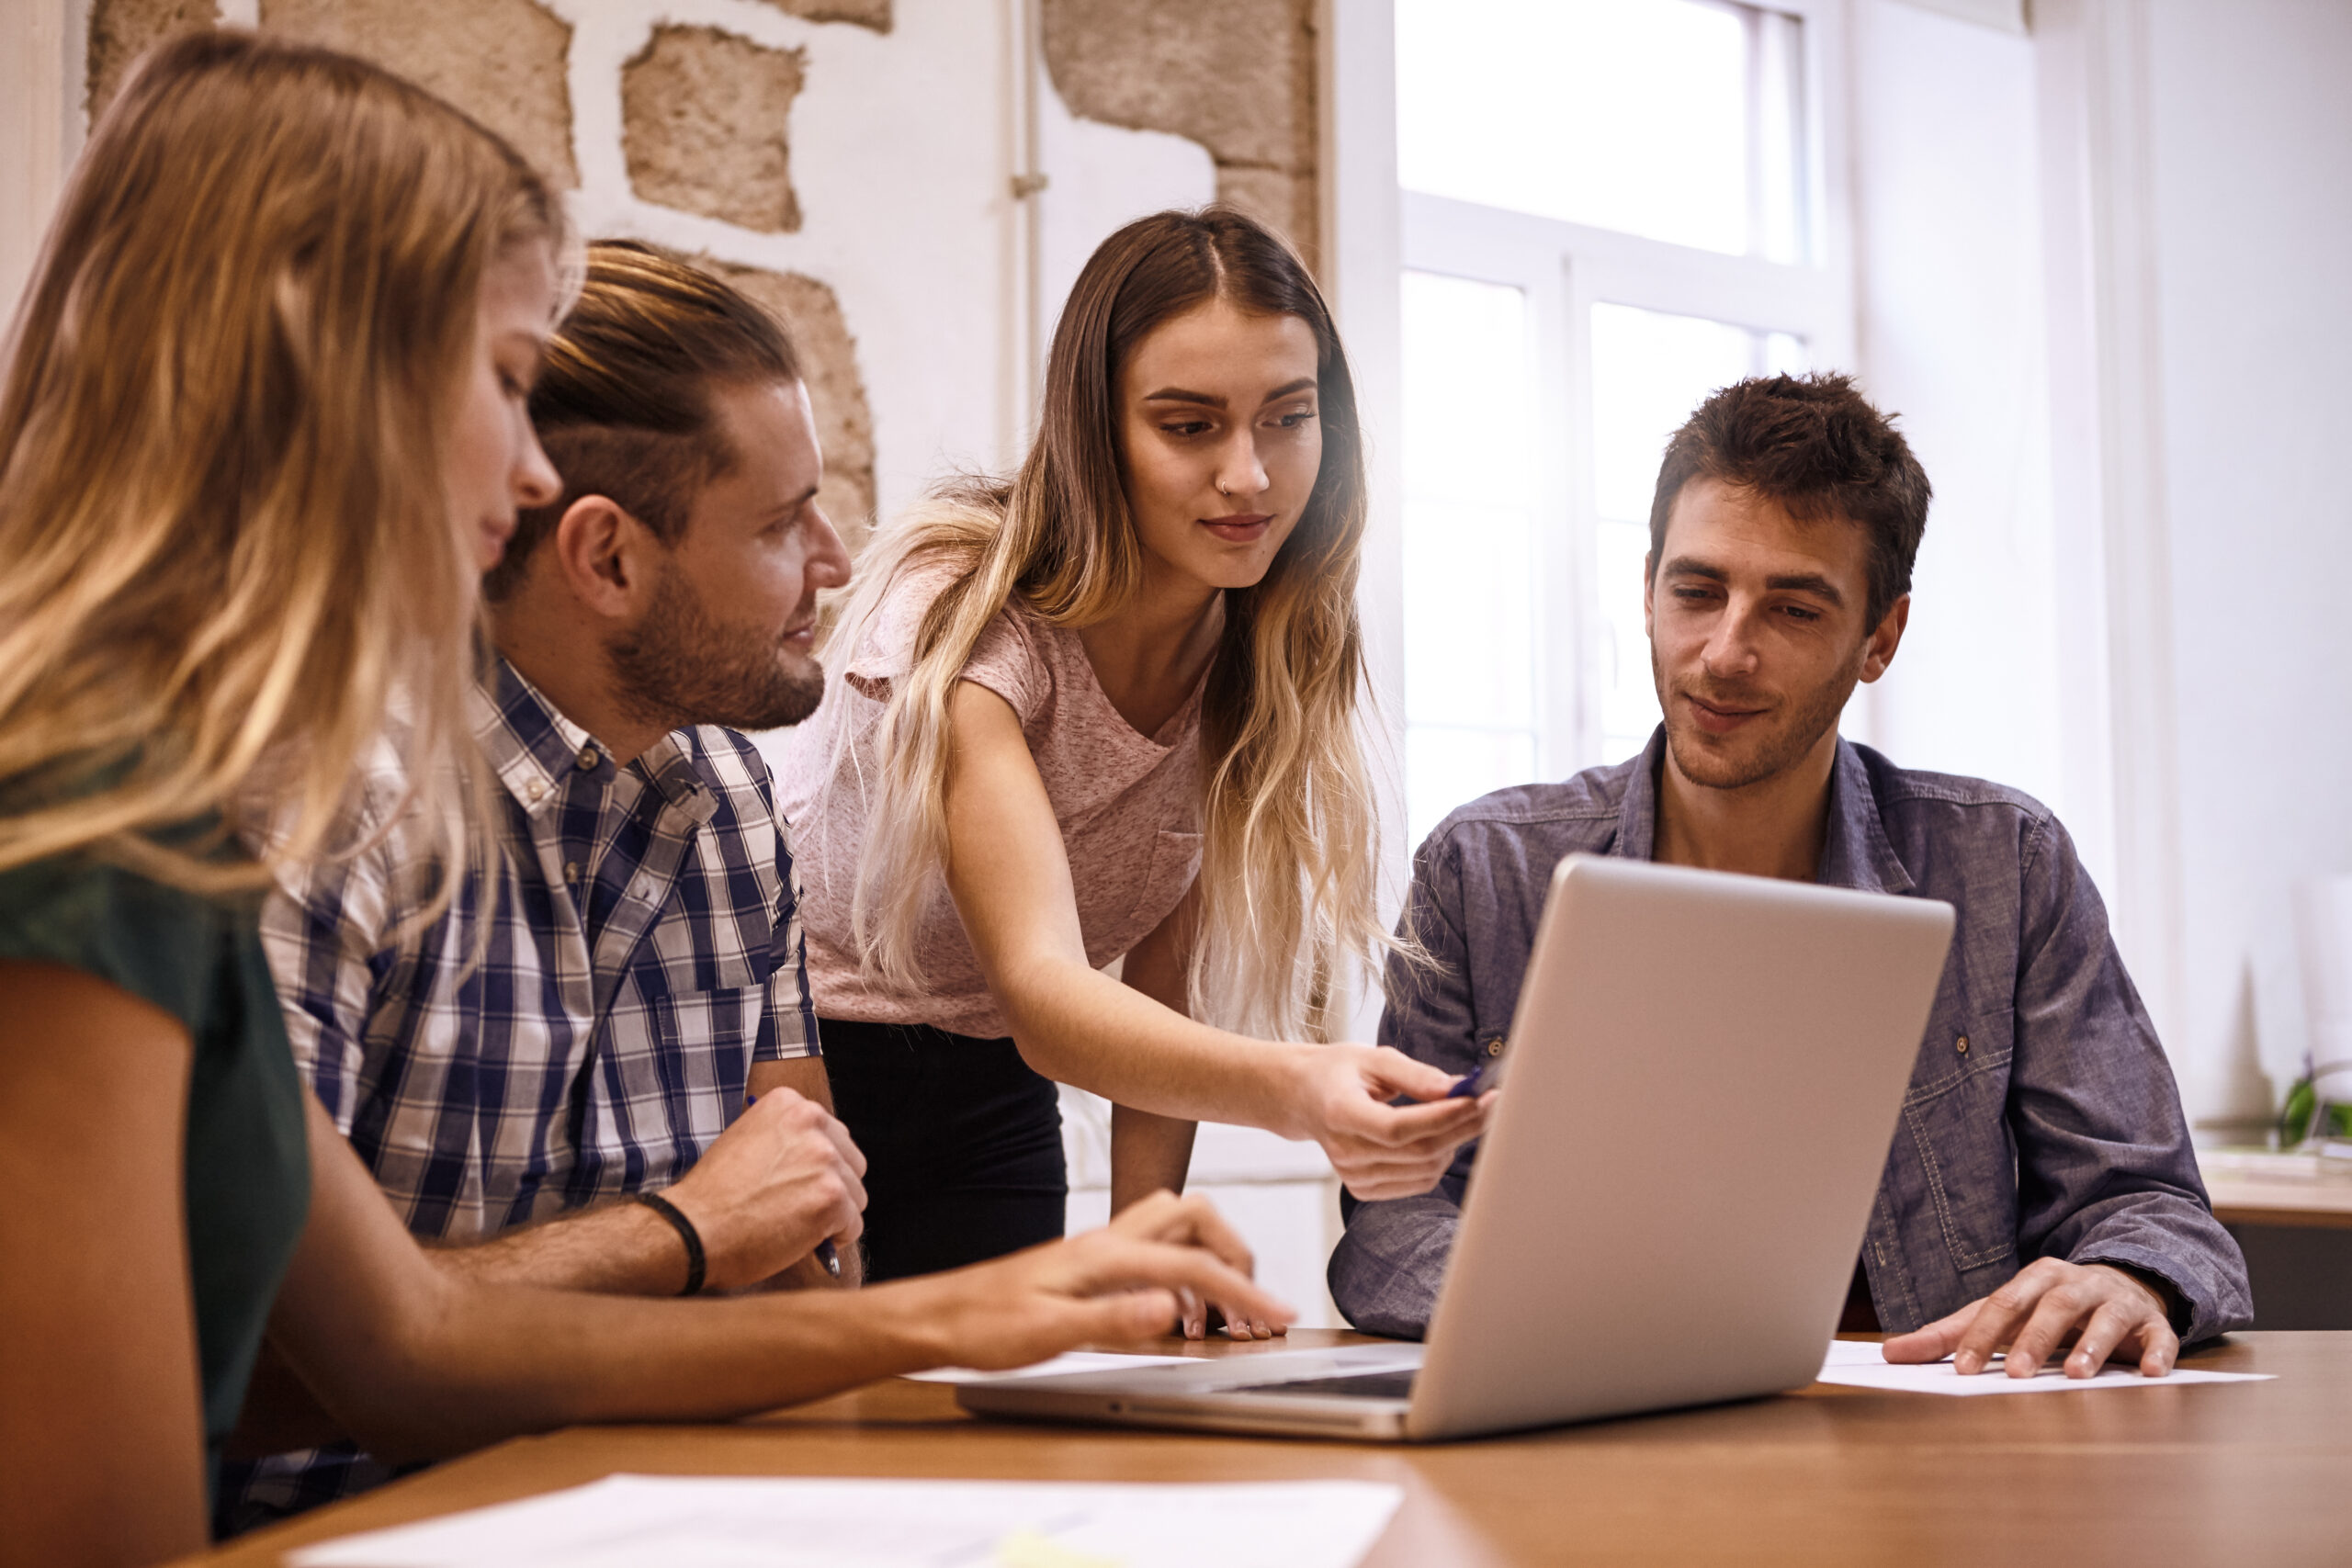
[1355,1385]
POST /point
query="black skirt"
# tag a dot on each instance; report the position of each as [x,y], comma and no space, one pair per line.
[963,1144]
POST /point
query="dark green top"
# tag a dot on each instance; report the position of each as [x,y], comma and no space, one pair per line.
[248,1167]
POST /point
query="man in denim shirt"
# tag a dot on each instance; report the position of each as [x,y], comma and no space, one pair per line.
[2041,1184]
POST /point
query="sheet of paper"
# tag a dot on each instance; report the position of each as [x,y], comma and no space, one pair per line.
[1858,1364]
[626,1521]
[1073,1362]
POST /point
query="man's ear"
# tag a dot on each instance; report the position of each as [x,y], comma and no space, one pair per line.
[603,555]
[1879,652]
[1649,587]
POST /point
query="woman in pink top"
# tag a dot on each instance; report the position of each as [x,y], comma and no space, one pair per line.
[1109,711]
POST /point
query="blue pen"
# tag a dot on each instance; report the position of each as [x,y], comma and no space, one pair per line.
[1486,1075]
[825,1253]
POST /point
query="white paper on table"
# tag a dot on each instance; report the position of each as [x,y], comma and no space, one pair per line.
[1071,1361]
[626,1521]
[1860,1364]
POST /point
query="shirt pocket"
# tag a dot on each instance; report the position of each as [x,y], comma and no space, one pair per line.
[1958,1127]
[708,1020]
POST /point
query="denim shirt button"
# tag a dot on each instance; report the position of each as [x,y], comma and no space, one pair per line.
[1963,1045]
[1495,1046]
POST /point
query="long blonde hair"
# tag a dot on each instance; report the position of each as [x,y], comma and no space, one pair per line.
[225,546]
[1289,859]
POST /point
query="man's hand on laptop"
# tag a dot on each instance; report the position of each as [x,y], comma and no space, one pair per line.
[1383,1150]
[783,1178]
[2107,1311]
[1134,1278]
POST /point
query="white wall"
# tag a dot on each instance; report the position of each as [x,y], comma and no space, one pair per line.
[2101,279]
[1949,291]
[38,56]
[2251,162]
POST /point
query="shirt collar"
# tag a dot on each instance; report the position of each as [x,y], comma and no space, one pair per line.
[1856,852]
[535,750]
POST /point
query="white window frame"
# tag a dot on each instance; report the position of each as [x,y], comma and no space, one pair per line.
[1567,268]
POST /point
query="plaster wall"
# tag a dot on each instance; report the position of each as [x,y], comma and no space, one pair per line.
[1949,288]
[2236,210]
[2251,189]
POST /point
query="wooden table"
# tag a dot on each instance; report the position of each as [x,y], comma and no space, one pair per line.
[2225,1474]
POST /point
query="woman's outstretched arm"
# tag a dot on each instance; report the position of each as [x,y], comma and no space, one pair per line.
[1011,880]
[417,1362]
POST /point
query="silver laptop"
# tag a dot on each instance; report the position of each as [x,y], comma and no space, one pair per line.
[1705,1073]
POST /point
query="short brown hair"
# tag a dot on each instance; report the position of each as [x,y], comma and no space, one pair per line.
[623,405]
[1815,445]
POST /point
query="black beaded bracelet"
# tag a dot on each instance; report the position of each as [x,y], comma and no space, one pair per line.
[686,1232]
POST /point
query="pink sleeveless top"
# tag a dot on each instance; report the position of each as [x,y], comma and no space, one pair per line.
[1129,805]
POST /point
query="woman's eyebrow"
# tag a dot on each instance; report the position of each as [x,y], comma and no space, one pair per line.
[1178,395]
[1212,401]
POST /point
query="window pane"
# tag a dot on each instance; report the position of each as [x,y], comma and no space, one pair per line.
[1678,119]
[1468,389]
[1469,543]
[1469,643]
[1628,697]
[1649,372]
[1446,767]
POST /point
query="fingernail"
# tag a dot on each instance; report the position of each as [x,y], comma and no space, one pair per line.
[1965,1363]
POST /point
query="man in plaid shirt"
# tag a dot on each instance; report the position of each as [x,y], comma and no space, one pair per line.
[614,1000]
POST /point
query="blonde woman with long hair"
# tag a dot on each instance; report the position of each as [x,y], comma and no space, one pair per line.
[262,428]
[1108,711]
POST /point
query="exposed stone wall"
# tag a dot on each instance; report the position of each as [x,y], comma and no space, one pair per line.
[1237,76]
[707,119]
[874,14]
[500,60]
[703,158]
[120,29]
[704,126]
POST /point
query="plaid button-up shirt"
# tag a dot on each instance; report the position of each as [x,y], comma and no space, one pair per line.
[643,950]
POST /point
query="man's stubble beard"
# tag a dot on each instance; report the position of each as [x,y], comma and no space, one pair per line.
[679,667]
[1814,717]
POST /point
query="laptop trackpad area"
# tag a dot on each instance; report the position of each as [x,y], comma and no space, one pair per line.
[1353,1385]
[1266,1371]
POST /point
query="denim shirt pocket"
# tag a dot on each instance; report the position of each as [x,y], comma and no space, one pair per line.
[1957,1124]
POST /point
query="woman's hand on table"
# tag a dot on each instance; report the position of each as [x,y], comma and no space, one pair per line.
[1136,1277]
